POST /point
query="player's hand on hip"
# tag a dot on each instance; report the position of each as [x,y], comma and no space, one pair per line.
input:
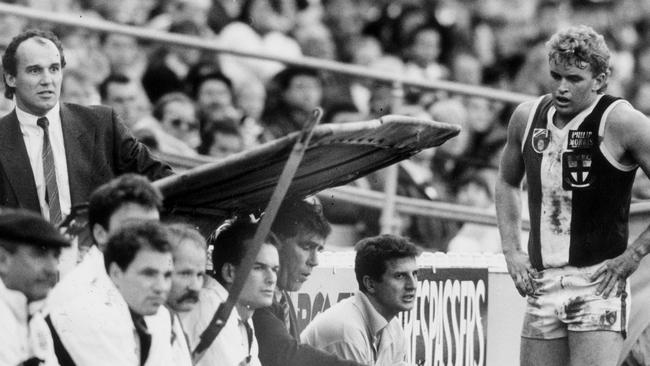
[521,271]
[614,272]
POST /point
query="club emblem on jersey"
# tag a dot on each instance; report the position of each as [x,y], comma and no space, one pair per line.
[579,140]
[576,170]
[541,139]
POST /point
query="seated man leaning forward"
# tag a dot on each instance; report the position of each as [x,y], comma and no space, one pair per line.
[124,323]
[236,343]
[365,327]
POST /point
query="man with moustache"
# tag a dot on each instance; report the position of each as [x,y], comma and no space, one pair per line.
[365,327]
[29,255]
[579,183]
[301,229]
[189,252]
[52,154]
[236,344]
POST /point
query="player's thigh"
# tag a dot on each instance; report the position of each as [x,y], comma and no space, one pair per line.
[544,352]
[595,348]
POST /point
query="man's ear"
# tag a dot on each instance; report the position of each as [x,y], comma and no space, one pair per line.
[228,273]
[100,235]
[599,82]
[114,271]
[369,284]
[10,79]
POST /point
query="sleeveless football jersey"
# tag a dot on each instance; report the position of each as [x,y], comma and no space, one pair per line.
[578,195]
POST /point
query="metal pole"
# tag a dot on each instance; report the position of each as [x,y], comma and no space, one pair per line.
[389,221]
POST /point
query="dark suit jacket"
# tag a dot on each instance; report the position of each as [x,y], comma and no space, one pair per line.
[279,348]
[98,147]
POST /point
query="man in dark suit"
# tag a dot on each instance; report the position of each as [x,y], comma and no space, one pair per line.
[301,229]
[53,155]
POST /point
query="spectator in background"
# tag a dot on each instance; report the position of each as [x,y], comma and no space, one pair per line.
[315,40]
[476,189]
[294,93]
[221,140]
[174,126]
[83,50]
[250,97]
[367,52]
[29,255]
[78,88]
[267,16]
[213,93]
[421,54]
[125,96]
[466,68]
[169,66]
[191,12]
[125,54]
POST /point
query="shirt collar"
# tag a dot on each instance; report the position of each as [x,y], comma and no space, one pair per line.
[16,301]
[376,321]
[28,119]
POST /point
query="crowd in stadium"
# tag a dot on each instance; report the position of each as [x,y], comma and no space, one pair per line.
[183,101]
[136,289]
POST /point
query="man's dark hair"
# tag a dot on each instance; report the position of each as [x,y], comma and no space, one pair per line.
[374,252]
[124,245]
[297,215]
[112,78]
[198,81]
[127,188]
[284,77]
[158,110]
[9,61]
[229,245]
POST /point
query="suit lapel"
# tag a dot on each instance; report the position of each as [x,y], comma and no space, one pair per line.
[78,157]
[14,159]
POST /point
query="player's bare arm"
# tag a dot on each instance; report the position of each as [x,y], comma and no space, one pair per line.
[627,137]
[508,201]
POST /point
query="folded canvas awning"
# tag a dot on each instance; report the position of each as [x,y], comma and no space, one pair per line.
[337,154]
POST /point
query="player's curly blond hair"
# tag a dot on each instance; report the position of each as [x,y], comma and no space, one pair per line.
[580,46]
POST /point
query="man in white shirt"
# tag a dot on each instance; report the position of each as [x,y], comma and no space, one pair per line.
[123,322]
[236,344]
[189,252]
[29,252]
[364,327]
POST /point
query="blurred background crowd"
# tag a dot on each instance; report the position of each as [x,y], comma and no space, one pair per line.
[183,101]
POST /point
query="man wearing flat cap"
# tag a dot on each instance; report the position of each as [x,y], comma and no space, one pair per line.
[29,256]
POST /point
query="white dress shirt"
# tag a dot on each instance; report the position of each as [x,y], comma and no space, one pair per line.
[354,330]
[33,137]
[231,347]
[22,336]
[96,328]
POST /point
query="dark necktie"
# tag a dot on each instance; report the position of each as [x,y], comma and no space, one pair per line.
[49,172]
[143,335]
[249,334]
[286,310]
